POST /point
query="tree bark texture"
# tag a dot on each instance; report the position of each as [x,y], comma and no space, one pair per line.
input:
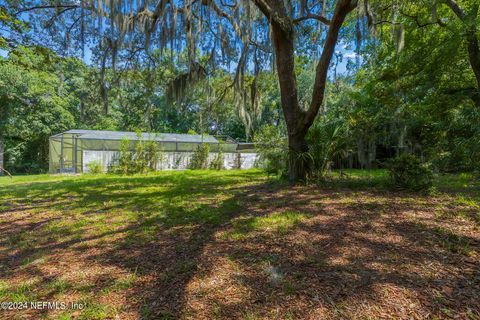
[474,58]
[2,148]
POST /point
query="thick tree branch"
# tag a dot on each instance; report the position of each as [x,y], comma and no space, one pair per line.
[473,44]
[312,16]
[275,12]
[452,4]
[265,7]
[223,14]
[158,12]
[55,6]
[342,8]
[415,18]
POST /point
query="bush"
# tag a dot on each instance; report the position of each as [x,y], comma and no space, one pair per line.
[272,149]
[125,159]
[95,167]
[146,157]
[408,172]
[217,162]
[143,159]
[200,157]
[327,139]
[152,155]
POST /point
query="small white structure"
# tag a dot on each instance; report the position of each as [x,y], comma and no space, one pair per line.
[73,150]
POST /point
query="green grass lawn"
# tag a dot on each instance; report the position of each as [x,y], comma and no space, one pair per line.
[238,244]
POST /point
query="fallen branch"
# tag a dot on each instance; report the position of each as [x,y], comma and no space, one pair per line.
[8,173]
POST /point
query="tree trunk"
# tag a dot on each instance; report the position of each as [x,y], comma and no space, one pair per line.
[298,121]
[103,87]
[474,58]
[1,156]
[372,152]
[299,164]
[473,45]
[361,153]
[283,40]
[82,110]
[401,141]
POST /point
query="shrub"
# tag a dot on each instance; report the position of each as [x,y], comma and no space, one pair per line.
[143,159]
[139,163]
[408,172]
[217,162]
[200,157]
[146,157]
[272,149]
[176,164]
[95,167]
[125,159]
[327,139]
[152,155]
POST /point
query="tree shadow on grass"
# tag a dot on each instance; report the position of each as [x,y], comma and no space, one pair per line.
[169,223]
[226,249]
[339,260]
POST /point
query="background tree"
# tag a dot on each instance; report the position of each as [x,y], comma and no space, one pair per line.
[34,103]
[236,29]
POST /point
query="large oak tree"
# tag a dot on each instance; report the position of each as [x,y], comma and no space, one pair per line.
[284,39]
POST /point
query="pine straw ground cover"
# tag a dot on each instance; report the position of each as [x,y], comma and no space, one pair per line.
[206,245]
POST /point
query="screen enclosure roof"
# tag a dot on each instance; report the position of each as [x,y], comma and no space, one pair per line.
[161,137]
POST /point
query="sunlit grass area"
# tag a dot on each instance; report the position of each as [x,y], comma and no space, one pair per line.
[275,222]
[238,244]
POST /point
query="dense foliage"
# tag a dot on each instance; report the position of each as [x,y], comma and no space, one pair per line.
[200,157]
[35,102]
[409,85]
[94,167]
[137,156]
[42,94]
[217,162]
[271,146]
[407,172]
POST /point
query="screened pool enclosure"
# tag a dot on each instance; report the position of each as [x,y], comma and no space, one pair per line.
[73,150]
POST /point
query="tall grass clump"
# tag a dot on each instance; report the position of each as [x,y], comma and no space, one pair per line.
[95,167]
